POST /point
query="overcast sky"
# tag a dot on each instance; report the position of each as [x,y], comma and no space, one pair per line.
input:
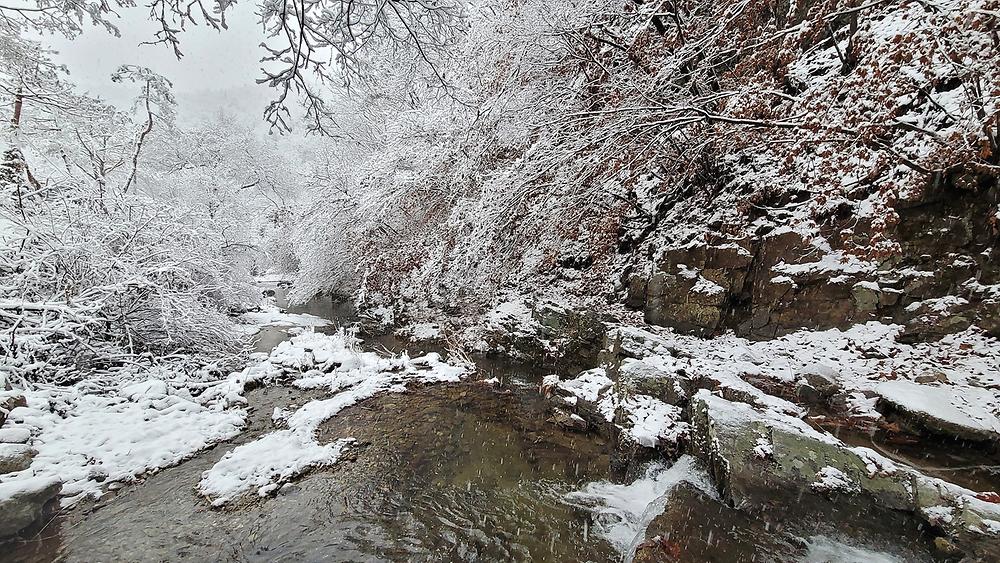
[218,70]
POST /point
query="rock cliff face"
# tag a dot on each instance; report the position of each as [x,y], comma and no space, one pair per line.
[942,277]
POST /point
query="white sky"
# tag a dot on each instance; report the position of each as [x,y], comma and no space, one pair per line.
[218,70]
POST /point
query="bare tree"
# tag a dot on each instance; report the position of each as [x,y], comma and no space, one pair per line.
[157,102]
[310,43]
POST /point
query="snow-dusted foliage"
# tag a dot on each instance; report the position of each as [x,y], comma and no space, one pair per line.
[577,133]
[114,252]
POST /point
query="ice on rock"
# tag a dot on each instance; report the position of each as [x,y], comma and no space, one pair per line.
[622,512]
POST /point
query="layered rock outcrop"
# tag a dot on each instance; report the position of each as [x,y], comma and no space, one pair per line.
[942,277]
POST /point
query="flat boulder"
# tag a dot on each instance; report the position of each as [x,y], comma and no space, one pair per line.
[646,378]
[968,413]
[761,458]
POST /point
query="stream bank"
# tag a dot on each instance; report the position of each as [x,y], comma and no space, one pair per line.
[446,471]
[664,452]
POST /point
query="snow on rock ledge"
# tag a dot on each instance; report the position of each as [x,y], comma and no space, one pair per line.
[23,502]
[964,369]
[760,458]
[965,412]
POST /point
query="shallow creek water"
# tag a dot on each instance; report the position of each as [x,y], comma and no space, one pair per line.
[444,472]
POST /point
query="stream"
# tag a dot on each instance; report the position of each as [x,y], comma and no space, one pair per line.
[459,472]
[468,471]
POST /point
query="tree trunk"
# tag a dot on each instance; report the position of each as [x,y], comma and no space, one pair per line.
[15,121]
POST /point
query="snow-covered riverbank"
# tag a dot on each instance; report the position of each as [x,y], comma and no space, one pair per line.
[96,435]
[657,392]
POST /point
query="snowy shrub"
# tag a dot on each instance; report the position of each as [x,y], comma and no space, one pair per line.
[585,133]
[90,289]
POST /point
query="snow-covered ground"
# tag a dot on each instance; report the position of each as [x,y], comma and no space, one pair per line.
[954,379]
[332,363]
[91,436]
[90,439]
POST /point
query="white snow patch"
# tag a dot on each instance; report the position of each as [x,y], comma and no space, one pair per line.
[724,412]
[588,385]
[649,421]
[939,514]
[26,485]
[939,305]
[835,262]
[265,463]
[621,513]
[653,422]
[421,331]
[84,439]
[763,448]
[876,464]
[971,407]
[14,435]
[705,286]
[276,317]
[822,549]
[832,480]
[331,362]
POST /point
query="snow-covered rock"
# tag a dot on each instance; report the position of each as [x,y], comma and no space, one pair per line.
[419,332]
[15,457]
[22,502]
[729,437]
[14,435]
[962,411]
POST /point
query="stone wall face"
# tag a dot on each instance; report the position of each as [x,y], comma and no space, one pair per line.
[945,277]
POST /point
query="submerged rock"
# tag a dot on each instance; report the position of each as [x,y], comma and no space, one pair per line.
[24,502]
[696,527]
